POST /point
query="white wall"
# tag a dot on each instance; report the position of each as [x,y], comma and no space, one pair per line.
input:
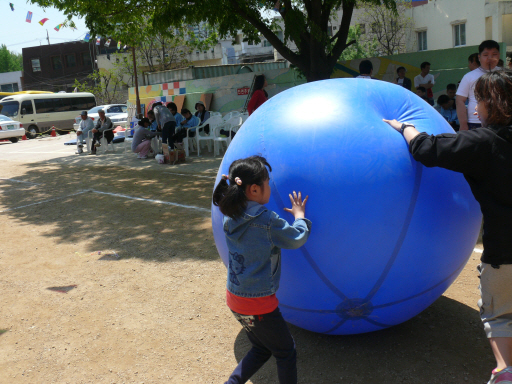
[11,78]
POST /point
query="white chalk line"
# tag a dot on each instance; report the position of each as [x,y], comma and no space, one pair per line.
[42,202]
[153,201]
[191,175]
[19,181]
[477,250]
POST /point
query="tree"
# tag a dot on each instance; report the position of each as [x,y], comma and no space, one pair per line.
[388,28]
[108,85]
[304,23]
[360,49]
[10,61]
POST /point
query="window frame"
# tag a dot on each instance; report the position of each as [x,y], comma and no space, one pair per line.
[36,68]
[457,31]
[422,42]
[74,60]
[53,63]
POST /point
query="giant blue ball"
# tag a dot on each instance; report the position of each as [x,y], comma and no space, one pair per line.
[389,235]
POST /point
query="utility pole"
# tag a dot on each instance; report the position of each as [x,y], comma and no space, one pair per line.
[137,99]
[48,37]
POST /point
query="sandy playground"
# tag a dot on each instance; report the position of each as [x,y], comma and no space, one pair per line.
[109,274]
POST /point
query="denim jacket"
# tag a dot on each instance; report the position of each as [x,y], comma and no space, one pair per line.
[254,242]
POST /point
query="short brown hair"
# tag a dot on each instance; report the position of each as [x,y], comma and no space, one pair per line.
[493,90]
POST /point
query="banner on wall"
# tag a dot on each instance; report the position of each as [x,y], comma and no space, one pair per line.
[242,91]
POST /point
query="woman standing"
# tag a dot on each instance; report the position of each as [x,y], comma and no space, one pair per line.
[259,95]
[484,157]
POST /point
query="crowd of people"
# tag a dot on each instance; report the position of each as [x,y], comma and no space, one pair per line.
[458,103]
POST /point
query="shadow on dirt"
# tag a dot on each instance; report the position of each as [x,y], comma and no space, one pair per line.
[444,344]
[58,201]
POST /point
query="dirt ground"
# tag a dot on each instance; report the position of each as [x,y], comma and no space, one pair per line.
[98,285]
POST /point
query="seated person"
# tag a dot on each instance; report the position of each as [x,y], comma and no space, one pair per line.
[202,114]
[152,121]
[448,111]
[451,90]
[141,143]
[422,92]
[174,111]
[189,121]
[86,125]
[103,128]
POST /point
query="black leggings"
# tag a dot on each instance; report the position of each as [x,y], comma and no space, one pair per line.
[168,132]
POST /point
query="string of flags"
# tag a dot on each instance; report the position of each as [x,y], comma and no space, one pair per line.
[72,26]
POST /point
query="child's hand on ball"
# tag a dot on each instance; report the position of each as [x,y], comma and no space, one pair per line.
[298,209]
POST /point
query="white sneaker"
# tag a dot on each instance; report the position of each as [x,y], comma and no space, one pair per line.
[80,151]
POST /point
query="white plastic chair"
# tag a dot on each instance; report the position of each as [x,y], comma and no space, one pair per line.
[232,125]
[244,115]
[201,135]
[231,114]
[103,141]
[127,140]
[187,142]
[215,114]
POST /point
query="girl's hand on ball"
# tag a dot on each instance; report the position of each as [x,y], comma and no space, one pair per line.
[298,209]
[394,123]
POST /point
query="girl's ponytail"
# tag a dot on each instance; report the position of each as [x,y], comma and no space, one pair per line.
[231,198]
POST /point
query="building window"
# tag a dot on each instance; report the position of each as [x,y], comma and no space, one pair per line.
[9,87]
[459,32]
[266,43]
[329,30]
[36,65]
[422,41]
[86,59]
[70,61]
[56,62]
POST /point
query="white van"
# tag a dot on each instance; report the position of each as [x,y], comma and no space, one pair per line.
[39,112]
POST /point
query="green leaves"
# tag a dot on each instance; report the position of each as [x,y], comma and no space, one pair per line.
[10,61]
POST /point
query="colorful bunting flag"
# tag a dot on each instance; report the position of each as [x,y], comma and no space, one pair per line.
[107,44]
[43,21]
[12,6]
[125,46]
[118,45]
[87,37]
[29,17]
[98,40]
[72,26]
[57,28]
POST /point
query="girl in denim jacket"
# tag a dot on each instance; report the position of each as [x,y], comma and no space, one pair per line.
[255,237]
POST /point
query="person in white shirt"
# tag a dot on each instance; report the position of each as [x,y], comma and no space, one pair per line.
[365,70]
[86,125]
[489,54]
[425,80]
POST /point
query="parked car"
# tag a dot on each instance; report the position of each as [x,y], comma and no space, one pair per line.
[110,110]
[10,129]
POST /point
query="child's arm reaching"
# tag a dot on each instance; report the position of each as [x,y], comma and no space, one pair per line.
[284,235]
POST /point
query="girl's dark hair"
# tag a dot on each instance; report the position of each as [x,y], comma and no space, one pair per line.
[231,198]
[493,89]
[259,82]
[184,110]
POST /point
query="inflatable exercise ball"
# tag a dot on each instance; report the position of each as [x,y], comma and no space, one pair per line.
[389,235]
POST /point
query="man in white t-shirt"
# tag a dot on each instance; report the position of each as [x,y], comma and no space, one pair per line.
[425,80]
[489,54]
[365,70]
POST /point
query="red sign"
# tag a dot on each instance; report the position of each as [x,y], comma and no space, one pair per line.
[242,91]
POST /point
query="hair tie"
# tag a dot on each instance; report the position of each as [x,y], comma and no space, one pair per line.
[238,181]
[225,177]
